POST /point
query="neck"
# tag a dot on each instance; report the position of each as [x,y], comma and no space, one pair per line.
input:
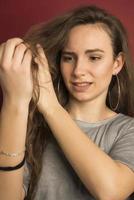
[92,111]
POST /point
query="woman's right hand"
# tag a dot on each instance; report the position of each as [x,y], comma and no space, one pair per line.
[15,71]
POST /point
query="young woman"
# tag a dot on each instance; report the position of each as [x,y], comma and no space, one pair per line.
[68,101]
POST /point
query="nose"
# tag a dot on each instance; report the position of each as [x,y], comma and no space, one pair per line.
[80,68]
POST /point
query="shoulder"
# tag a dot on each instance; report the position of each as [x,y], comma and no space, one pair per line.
[123,121]
[119,130]
[123,125]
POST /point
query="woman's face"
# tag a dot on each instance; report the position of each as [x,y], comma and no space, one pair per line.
[87,63]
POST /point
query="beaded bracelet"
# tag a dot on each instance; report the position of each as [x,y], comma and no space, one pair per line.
[11,154]
[11,168]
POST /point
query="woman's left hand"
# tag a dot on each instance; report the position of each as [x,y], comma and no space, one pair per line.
[47,99]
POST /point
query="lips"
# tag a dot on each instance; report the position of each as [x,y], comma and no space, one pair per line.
[81,86]
[81,83]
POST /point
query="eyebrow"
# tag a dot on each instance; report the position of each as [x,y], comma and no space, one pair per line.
[94,50]
[86,52]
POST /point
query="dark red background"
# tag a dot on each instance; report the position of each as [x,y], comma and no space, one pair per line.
[16,16]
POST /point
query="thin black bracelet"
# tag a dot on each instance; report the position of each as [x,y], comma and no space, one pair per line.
[9,168]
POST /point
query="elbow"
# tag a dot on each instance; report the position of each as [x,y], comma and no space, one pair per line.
[110,195]
[110,189]
[107,193]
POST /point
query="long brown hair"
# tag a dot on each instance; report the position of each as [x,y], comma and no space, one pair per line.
[53,37]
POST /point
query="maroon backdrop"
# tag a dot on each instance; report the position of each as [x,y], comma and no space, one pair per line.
[17,16]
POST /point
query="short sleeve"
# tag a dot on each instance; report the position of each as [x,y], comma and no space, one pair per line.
[123,148]
[26,178]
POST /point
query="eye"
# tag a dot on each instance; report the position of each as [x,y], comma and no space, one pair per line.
[95,58]
[67,58]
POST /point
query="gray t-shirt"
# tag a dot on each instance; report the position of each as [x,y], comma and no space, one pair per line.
[115,136]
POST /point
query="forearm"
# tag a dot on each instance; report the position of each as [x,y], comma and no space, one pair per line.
[96,169]
[13,126]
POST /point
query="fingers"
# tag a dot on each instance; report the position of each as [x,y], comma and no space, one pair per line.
[2,46]
[40,51]
[27,59]
[44,72]
[19,54]
[9,49]
[42,60]
[14,53]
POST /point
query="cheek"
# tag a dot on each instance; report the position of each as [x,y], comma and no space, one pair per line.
[65,72]
[104,71]
[103,76]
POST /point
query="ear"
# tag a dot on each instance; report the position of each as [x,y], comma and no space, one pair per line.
[118,63]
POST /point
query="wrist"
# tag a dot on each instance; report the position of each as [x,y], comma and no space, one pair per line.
[17,106]
[51,111]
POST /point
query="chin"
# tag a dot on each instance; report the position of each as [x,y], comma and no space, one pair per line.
[88,97]
[82,98]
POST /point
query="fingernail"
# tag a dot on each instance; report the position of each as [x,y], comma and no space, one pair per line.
[35,59]
[38,45]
